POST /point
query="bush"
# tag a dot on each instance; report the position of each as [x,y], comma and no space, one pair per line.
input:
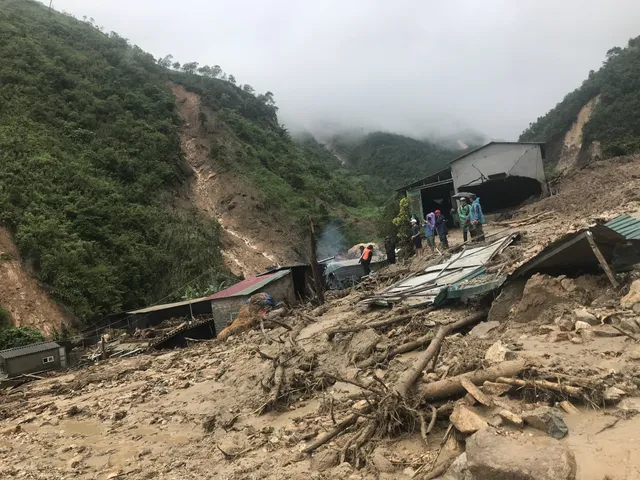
[19,337]
[5,318]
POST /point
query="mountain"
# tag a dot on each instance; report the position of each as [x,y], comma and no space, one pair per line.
[394,160]
[599,118]
[99,184]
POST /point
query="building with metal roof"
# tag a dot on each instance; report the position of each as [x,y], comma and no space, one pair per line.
[32,358]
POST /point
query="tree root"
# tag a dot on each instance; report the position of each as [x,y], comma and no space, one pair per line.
[378,324]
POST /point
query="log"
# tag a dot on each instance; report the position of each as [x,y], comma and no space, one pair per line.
[327,437]
[400,349]
[409,377]
[544,384]
[364,326]
[452,386]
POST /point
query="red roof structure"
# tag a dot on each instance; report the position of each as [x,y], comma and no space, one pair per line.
[249,285]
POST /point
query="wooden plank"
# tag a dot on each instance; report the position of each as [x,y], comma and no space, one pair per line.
[602,260]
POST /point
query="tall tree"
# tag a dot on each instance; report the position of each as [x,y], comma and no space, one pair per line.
[166,61]
[248,88]
[190,67]
[232,79]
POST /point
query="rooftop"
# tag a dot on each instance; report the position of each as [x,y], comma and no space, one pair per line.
[28,349]
[492,143]
[249,286]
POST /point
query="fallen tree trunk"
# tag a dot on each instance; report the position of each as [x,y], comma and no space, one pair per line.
[543,384]
[409,377]
[343,425]
[452,386]
[364,326]
[400,349]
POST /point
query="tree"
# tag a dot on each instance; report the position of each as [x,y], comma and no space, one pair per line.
[205,71]
[216,71]
[166,61]
[268,99]
[232,79]
[19,337]
[190,67]
[248,88]
[176,65]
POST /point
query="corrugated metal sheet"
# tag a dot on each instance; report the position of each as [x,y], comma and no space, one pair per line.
[29,349]
[165,306]
[250,285]
[625,225]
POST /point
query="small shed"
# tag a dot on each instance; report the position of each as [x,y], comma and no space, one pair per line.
[226,304]
[32,358]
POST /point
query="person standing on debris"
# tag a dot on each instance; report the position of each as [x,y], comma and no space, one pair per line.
[430,230]
[365,259]
[416,237]
[477,219]
[441,228]
[390,249]
[464,211]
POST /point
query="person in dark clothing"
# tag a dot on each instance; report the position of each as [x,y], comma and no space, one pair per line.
[441,228]
[416,237]
[390,249]
[365,259]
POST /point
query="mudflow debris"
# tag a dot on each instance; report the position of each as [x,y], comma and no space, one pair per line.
[513,358]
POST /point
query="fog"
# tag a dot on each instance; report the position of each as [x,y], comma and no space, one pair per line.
[414,67]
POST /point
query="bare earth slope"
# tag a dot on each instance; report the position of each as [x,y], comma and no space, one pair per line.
[250,241]
[21,294]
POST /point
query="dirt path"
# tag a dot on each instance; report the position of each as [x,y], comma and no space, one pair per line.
[250,242]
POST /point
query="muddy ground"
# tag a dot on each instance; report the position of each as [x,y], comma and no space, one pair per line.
[207,411]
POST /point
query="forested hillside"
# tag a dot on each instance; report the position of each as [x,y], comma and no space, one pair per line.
[393,159]
[91,162]
[614,122]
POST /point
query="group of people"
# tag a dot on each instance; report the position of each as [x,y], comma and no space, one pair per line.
[471,220]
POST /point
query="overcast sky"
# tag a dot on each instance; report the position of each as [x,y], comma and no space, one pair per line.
[417,67]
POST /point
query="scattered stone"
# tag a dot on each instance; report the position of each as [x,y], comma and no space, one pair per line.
[11,430]
[458,469]
[381,462]
[557,336]
[495,389]
[636,307]
[466,420]
[633,297]
[583,315]
[568,284]
[324,460]
[577,340]
[184,385]
[209,424]
[634,354]
[73,411]
[363,343]
[606,331]
[613,394]
[496,421]
[521,457]
[548,420]
[75,462]
[482,329]
[580,325]
[565,323]
[499,353]
[409,472]
[628,325]
[119,415]
[546,329]
[511,417]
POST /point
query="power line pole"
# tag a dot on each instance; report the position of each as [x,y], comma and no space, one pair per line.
[314,265]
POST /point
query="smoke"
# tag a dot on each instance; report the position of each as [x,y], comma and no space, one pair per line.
[331,241]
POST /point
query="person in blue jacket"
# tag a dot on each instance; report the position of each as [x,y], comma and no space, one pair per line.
[477,220]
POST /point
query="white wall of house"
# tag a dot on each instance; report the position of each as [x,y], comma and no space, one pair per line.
[523,160]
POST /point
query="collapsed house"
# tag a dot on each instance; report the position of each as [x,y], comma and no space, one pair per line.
[503,174]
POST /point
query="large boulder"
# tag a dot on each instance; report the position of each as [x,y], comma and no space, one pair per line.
[491,456]
[633,297]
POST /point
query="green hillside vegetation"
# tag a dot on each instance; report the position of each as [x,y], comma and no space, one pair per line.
[91,163]
[395,159]
[614,121]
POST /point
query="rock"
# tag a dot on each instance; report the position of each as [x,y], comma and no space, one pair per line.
[495,457]
[324,460]
[409,472]
[565,323]
[119,415]
[557,336]
[580,325]
[577,340]
[499,353]
[546,329]
[209,424]
[495,389]
[606,331]
[583,315]
[511,417]
[482,329]
[11,430]
[613,394]
[458,469]
[381,462]
[634,354]
[548,420]
[73,411]
[75,462]
[633,297]
[466,420]
[568,284]
[628,325]
[363,343]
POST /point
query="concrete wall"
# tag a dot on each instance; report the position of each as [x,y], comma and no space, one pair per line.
[523,160]
[32,363]
[225,310]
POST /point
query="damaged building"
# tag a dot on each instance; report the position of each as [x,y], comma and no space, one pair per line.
[503,174]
